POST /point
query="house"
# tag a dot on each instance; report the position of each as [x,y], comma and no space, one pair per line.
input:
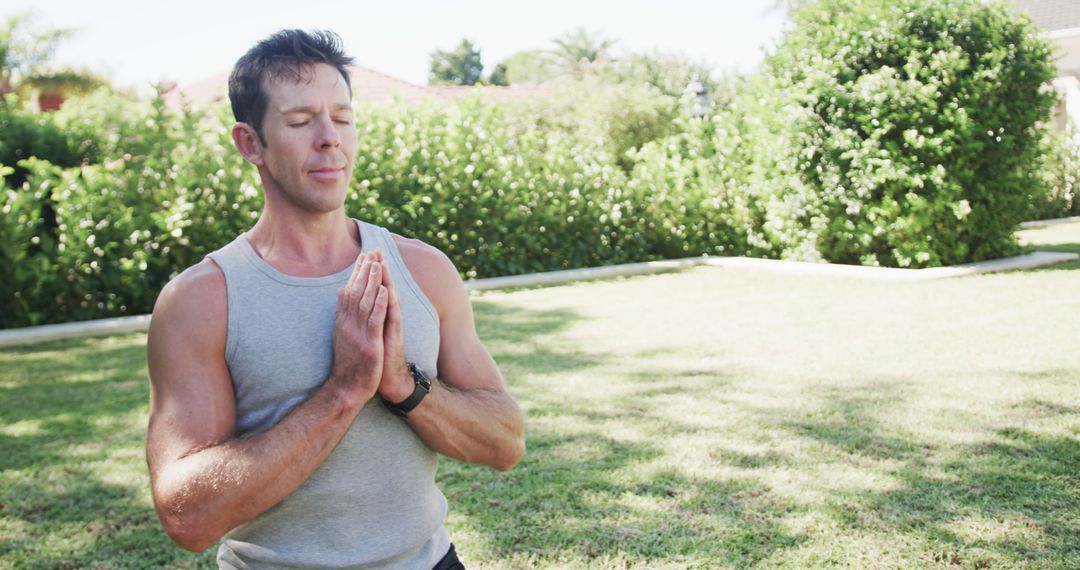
[368,86]
[1060,19]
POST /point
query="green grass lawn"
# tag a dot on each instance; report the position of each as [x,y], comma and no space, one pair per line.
[1063,237]
[712,418]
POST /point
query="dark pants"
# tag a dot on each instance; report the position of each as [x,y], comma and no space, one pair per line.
[450,561]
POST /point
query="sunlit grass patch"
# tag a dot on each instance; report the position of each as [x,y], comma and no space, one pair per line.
[707,419]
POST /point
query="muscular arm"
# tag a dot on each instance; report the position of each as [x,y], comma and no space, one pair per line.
[205,480]
[469,414]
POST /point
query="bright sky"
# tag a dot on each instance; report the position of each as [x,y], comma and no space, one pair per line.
[139,42]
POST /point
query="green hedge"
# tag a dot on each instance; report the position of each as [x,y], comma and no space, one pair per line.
[47,136]
[498,194]
[169,189]
[901,133]
[1059,173]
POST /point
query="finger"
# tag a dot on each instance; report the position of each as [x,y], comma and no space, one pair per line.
[396,299]
[387,279]
[371,287]
[365,270]
[377,320]
[354,290]
[357,268]
[392,330]
[363,275]
[393,302]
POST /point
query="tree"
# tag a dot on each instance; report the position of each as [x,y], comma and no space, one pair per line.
[529,67]
[499,76]
[25,61]
[23,52]
[461,66]
[572,56]
[670,73]
[577,50]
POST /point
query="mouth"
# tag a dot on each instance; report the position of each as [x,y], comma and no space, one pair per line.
[327,173]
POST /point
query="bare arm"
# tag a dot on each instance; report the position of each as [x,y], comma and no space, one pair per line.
[205,480]
[469,414]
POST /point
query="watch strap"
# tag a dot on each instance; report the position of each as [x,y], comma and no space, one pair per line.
[421,387]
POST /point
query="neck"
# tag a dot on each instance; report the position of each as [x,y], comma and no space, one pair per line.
[305,244]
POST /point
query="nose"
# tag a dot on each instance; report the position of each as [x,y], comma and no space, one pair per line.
[328,136]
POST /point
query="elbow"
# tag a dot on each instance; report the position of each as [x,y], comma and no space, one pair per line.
[514,449]
[188,538]
[186,533]
[511,457]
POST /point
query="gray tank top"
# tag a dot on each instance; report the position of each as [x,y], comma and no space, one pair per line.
[373,503]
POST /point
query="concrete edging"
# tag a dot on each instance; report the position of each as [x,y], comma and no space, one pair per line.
[141,323]
[568,275]
[1031,260]
[80,329]
[1052,222]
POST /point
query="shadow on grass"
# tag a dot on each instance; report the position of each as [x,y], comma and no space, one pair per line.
[64,394]
[598,486]
[521,338]
[1024,485]
[562,505]
[527,347]
[73,483]
[1008,501]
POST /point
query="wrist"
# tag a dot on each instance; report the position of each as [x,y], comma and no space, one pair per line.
[418,388]
[344,396]
[399,386]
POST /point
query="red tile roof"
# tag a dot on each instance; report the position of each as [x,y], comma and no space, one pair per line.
[368,86]
[1052,15]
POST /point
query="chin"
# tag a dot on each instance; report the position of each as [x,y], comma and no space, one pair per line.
[321,202]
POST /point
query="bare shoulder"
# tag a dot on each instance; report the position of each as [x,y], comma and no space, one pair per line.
[192,307]
[200,286]
[433,272]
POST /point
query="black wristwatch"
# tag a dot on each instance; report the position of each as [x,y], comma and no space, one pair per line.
[421,388]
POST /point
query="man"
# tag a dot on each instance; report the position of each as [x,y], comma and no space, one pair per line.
[304,377]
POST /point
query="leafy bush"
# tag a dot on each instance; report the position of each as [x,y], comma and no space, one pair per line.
[1059,172]
[169,190]
[30,134]
[692,190]
[917,126]
[901,133]
[619,116]
[729,185]
[24,257]
[499,195]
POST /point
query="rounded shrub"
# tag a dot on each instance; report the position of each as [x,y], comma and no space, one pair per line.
[917,126]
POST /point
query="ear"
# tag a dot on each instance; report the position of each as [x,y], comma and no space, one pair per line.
[247,142]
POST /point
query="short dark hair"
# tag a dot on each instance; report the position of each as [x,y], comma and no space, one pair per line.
[287,54]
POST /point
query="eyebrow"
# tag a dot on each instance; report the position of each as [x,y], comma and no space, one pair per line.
[311,110]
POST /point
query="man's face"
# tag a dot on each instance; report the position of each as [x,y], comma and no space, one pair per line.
[310,135]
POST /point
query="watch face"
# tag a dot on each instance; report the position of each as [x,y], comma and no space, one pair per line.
[419,377]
